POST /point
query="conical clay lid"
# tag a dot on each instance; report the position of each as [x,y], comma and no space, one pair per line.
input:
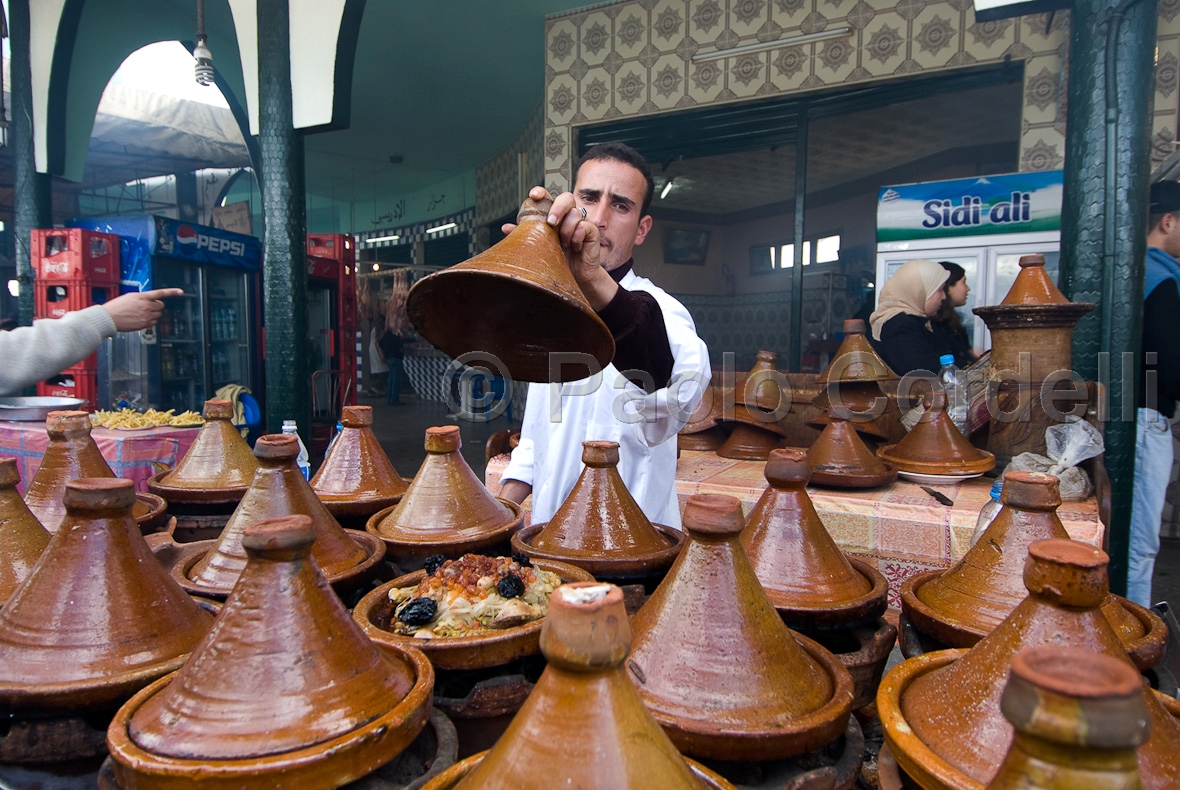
[583,725]
[749,443]
[283,668]
[70,454]
[279,489]
[516,301]
[935,446]
[855,360]
[859,402]
[356,475]
[219,459]
[1032,285]
[760,387]
[446,501]
[99,618]
[22,538]
[955,710]
[795,559]
[839,457]
[739,686]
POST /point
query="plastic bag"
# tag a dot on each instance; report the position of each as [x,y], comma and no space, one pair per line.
[1067,445]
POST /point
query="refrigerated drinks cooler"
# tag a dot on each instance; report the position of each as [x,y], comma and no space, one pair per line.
[208,337]
[984,224]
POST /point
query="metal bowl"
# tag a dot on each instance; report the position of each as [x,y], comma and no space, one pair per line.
[36,408]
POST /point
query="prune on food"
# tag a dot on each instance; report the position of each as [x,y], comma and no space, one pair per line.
[522,559]
[433,563]
[418,611]
[510,586]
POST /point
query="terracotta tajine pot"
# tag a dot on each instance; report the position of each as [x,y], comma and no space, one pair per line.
[964,603]
[446,510]
[600,527]
[705,414]
[856,360]
[278,489]
[1033,284]
[516,301]
[1079,718]
[356,478]
[583,725]
[305,700]
[759,388]
[935,446]
[840,458]
[750,443]
[478,650]
[22,538]
[804,573]
[218,467]
[941,711]
[861,403]
[715,664]
[705,441]
[99,618]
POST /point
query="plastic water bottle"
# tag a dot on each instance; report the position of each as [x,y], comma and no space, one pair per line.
[335,436]
[988,512]
[954,383]
[291,428]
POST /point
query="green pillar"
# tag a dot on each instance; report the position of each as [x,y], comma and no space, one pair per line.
[31,194]
[284,252]
[1103,223]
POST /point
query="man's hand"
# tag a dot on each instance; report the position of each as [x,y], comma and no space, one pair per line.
[580,243]
[135,311]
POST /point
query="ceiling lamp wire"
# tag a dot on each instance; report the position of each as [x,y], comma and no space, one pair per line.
[204,69]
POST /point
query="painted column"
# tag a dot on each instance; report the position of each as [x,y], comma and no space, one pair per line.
[1103,223]
[284,268]
[31,194]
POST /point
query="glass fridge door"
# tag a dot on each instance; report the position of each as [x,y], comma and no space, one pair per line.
[229,327]
[181,338]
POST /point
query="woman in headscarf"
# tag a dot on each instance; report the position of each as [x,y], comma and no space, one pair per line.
[949,332]
[901,323]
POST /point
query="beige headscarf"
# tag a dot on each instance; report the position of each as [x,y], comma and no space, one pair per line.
[907,291]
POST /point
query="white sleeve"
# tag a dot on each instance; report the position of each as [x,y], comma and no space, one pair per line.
[521,466]
[34,353]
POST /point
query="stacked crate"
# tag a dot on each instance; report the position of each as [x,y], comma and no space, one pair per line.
[73,269]
[340,249]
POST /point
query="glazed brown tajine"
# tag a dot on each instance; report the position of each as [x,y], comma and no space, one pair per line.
[356,477]
[753,416]
[600,527]
[22,538]
[218,467]
[1079,719]
[840,458]
[70,454]
[583,725]
[804,573]
[962,604]
[278,489]
[715,664]
[935,446]
[942,711]
[446,510]
[850,387]
[98,618]
[285,691]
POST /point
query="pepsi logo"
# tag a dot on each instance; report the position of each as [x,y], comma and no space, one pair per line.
[186,234]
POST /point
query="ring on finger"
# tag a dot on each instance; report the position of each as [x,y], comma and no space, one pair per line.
[583,212]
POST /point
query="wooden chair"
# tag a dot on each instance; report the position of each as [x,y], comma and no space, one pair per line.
[329,393]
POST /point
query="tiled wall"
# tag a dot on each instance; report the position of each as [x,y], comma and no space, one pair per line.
[497,181]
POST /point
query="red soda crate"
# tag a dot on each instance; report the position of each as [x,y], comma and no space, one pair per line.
[76,382]
[336,246]
[323,268]
[347,309]
[55,298]
[75,254]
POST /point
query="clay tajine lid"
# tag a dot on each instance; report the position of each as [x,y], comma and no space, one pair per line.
[1032,285]
[954,711]
[583,724]
[741,686]
[278,489]
[22,538]
[99,618]
[935,446]
[1079,719]
[446,504]
[840,458]
[600,527]
[759,388]
[750,443]
[356,477]
[704,416]
[862,403]
[967,601]
[855,360]
[217,467]
[70,454]
[804,573]
[305,677]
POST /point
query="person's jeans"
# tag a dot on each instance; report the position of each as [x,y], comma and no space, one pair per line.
[1153,471]
[393,386]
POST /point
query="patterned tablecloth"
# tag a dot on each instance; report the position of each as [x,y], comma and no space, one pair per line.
[900,529]
[129,453]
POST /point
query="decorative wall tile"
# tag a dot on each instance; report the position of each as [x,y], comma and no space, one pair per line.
[668,24]
[935,36]
[597,89]
[668,81]
[631,32]
[834,60]
[746,16]
[884,47]
[706,17]
[497,182]
[595,38]
[789,67]
[631,88]
[706,80]
[989,39]
[561,45]
[561,101]
[747,73]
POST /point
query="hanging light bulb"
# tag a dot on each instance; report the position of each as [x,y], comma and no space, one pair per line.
[204,69]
